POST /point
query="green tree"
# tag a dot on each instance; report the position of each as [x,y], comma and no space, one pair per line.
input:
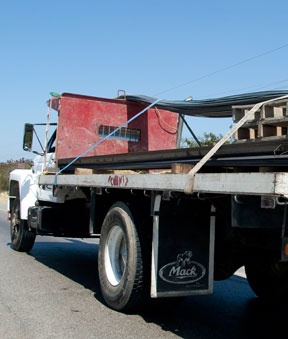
[208,139]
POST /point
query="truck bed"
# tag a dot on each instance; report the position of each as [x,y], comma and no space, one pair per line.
[267,184]
[256,167]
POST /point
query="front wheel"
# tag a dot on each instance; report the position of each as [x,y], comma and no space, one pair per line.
[22,239]
[268,279]
[120,260]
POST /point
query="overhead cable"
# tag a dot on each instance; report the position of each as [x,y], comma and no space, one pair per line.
[223,69]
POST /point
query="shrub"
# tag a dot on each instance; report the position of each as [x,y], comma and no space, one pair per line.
[7,167]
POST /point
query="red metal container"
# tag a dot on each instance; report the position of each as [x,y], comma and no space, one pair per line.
[83,121]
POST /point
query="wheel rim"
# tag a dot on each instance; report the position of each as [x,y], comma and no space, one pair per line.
[115,255]
[15,224]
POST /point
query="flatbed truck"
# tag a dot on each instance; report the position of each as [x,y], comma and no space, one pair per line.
[170,221]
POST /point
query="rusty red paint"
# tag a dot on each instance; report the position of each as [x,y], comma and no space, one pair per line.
[80,118]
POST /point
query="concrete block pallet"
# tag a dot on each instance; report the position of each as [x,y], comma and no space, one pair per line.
[268,122]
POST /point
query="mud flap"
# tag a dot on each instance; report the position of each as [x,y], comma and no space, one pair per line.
[183,248]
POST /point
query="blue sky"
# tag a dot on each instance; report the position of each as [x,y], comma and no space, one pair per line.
[145,47]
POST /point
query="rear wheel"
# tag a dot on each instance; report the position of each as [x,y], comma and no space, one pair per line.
[268,279]
[22,239]
[120,260]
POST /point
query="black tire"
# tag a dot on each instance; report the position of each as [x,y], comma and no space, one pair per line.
[120,260]
[22,240]
[268,279]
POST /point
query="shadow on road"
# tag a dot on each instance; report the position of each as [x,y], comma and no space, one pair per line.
[232,311]
[75,259]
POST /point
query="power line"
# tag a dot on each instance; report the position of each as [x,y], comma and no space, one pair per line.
[255,87]
[223,69]
[274,83]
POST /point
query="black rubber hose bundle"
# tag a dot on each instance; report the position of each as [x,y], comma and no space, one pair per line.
[212,108]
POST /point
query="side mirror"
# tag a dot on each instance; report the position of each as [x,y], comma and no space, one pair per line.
[28,137]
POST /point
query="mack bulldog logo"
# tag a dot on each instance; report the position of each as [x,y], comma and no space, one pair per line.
[183,270]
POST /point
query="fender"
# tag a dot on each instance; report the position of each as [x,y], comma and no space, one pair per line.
[28,189]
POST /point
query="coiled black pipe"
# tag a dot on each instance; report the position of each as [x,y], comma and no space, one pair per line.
[212,108]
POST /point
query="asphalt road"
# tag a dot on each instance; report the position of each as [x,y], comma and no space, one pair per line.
[53,292]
